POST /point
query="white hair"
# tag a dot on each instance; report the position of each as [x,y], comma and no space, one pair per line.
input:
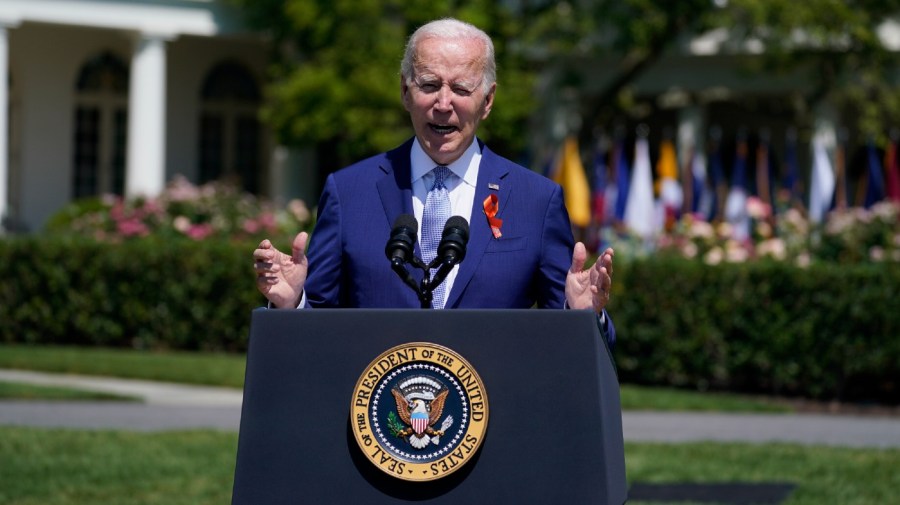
[450,29]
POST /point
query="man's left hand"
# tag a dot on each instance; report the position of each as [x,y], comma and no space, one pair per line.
[589,288]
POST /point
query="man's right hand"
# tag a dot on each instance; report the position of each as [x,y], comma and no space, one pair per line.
[280,277]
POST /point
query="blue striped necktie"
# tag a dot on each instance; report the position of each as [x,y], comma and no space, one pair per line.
[434,217]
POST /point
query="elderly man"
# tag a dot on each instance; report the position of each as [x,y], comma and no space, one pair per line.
[520,252]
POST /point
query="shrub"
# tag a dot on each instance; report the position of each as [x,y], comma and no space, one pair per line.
[825,331]
[148,293]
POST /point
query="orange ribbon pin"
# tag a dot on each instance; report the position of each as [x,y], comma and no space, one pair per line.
[491,206]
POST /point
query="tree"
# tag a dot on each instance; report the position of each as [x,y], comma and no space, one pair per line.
[335,80]
[834,43]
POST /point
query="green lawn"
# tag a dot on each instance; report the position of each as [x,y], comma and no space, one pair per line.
[17,391]
[61,467]
[823,475]
[216,369]
[227,370]
[68,467]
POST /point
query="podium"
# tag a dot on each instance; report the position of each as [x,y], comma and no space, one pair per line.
[554,433]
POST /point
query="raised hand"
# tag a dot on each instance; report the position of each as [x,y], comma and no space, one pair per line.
[280,277]
[589,288]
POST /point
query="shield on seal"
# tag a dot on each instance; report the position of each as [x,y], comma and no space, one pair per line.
[419,421]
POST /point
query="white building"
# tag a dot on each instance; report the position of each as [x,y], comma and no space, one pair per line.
[121,95]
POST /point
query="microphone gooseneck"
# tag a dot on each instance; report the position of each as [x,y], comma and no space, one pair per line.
[400,250]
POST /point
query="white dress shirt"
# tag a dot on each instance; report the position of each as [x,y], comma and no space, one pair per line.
[461,186]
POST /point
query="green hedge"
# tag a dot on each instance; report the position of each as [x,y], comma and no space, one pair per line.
[826,331]
[143,293]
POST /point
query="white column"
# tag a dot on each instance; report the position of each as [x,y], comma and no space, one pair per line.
[146,169]
[4,126]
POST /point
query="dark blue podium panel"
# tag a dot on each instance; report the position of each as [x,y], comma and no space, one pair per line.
[554,433]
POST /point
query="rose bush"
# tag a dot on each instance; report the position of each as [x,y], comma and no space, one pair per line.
[183,210]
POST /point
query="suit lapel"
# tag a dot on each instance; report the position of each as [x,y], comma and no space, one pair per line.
[395,186]
[491,179]
[395,191]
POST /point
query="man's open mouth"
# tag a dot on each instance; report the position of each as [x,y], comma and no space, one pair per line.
[442,129]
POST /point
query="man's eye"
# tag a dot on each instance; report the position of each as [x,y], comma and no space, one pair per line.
[462,91]
[429,87]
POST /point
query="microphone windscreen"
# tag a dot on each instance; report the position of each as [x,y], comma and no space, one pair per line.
[461,225]
[407,221]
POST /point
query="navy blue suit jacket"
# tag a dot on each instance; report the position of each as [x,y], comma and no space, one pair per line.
[527,266]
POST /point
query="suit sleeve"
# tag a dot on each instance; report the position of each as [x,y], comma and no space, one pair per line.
[325,255]
[557,245]
[556,253]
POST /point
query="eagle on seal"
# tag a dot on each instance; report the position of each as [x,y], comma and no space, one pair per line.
[419,416]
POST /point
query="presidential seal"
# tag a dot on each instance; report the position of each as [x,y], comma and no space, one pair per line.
[419,411]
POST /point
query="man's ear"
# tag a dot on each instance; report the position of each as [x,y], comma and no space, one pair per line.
[404,93]
[489,101]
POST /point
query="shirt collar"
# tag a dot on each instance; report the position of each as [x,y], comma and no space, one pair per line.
[465,167]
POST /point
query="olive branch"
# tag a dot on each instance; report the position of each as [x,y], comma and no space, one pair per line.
[394,424]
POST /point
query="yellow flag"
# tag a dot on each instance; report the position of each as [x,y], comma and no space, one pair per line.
[570,175]
[667,166]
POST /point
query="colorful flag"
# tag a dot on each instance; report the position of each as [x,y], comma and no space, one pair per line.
[790,184]
[599,183]
[875,182]
[570,175]
[718,184]
[623,180]
[670,192]
[687,182]
[704,195]
[599,188]
[841,189]
[640,210]
[736,204]
[763,173]
[821,186]
[892,171]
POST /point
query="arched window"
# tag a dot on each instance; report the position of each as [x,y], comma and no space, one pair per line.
[101,126]
[230,134]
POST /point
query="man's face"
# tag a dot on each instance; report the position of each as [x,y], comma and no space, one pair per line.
[446,100]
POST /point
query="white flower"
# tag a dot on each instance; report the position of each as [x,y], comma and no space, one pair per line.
[772,247]
[182,224]
[689,250]
[701,229]
[714,256]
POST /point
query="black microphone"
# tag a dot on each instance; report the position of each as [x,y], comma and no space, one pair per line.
[452,248]
[399,248]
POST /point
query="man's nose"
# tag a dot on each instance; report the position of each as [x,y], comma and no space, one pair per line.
[444,99]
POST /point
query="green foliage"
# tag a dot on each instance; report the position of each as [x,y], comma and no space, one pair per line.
[836,43]
[143,293]
[394,424]
[336,78]
[825,331]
